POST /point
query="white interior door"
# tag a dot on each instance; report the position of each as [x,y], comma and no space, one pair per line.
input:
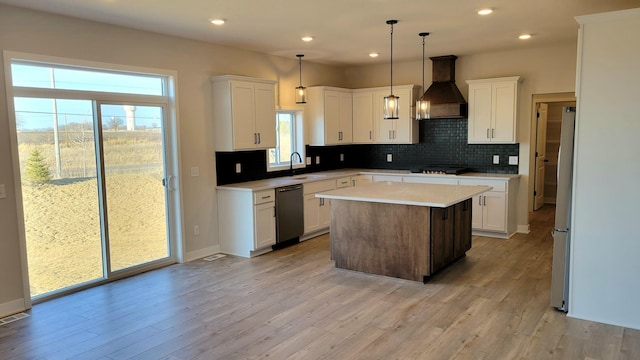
[541,139]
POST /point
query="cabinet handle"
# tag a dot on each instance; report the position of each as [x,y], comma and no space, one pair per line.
[255,138]
[353,183]
[266,197]
[274,211]
[258,138]
[394,134]
[390,134]
[487,133]
[493,133]
[370,135]
[480,200]
[321,202]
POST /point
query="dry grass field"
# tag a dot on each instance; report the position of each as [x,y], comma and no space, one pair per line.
[62,219]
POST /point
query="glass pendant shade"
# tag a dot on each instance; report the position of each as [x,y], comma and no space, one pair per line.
[391,104]
[301,91]
[423,106]
[391,107]
[301,95]
[422,109]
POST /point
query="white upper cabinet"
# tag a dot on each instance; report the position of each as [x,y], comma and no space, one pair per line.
[330,115]
[363,122]
[244,113]
[493,108]
[403,130]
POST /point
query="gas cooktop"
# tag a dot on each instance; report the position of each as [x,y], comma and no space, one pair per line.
[440,169]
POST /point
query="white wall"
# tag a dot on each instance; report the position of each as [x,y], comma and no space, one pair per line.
[549,69]
[46,34]
[605,245]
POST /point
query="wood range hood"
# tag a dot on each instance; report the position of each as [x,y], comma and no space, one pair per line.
[445,99]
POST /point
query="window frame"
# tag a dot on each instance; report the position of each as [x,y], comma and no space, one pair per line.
[297,134]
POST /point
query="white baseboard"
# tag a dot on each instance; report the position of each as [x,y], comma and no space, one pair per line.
[524,229]
[199,254]
[12,307]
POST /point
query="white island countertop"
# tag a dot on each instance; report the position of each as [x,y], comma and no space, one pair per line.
[434,195]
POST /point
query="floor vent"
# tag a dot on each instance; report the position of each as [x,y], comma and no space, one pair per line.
[12,318]
[214,257]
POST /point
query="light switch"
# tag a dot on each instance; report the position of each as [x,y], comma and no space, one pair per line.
[389,157]
[308,160]
[496,159]
[238,168]
[317,160]
[3,191]
[513,160]
[195,171]
[341,157]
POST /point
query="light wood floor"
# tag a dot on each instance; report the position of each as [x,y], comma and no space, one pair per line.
[293,303]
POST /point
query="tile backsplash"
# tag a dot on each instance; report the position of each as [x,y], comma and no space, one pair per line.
[441,142]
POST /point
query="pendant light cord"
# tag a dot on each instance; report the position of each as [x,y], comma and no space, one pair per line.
[392,59]
[423,63]
[300,67]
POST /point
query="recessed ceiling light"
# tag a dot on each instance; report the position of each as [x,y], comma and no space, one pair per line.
[217,21]
[524,37]
[485,11]
[374,55]
[307,38]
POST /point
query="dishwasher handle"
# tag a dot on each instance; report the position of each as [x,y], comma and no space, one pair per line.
[289,188]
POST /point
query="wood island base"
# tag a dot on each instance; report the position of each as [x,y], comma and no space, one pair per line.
[404,241]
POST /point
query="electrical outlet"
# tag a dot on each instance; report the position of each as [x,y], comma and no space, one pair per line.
[317,160]
[308,160]
[195,171]
[496,159]
[196,230]
[3,191]
[389,157]
[513,160]
[238,168]
[341,157]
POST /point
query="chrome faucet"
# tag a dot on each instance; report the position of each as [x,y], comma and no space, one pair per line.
[291,161]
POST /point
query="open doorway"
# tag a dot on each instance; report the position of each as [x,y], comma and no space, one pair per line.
[546,122]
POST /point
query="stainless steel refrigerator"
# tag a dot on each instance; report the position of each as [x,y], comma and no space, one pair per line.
[561,230]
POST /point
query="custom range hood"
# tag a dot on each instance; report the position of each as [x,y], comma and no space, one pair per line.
[443,94]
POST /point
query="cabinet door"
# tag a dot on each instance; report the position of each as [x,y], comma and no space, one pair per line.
[386,128]
[479,130]
[462,228]
[265,225]
[265,115]
[404,126]
[324,213]
[363,117]
[494,211]
[345,118]
[361,180]
[242,113]
[331,117]
[442,227]
[503,111]
[390,178]
[311,213]
[477,211]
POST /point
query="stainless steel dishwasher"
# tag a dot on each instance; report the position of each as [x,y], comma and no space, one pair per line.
[289,214]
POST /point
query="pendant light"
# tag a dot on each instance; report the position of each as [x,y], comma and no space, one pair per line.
[301,91]
[391,102]
[422,105]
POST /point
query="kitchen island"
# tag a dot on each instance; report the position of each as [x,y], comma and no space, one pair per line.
[404,230]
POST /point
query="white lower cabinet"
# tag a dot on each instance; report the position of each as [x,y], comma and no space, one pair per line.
[317,213]
[246,221]
[361,180]
[421,179]
[493,212]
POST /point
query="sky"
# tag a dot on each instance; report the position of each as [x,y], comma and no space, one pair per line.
[37,113]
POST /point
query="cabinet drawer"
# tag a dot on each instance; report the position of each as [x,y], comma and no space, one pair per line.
[318,186]
[499,186]
[264,196]
[343,182]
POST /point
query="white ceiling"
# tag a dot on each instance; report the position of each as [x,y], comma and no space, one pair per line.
[346,31]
